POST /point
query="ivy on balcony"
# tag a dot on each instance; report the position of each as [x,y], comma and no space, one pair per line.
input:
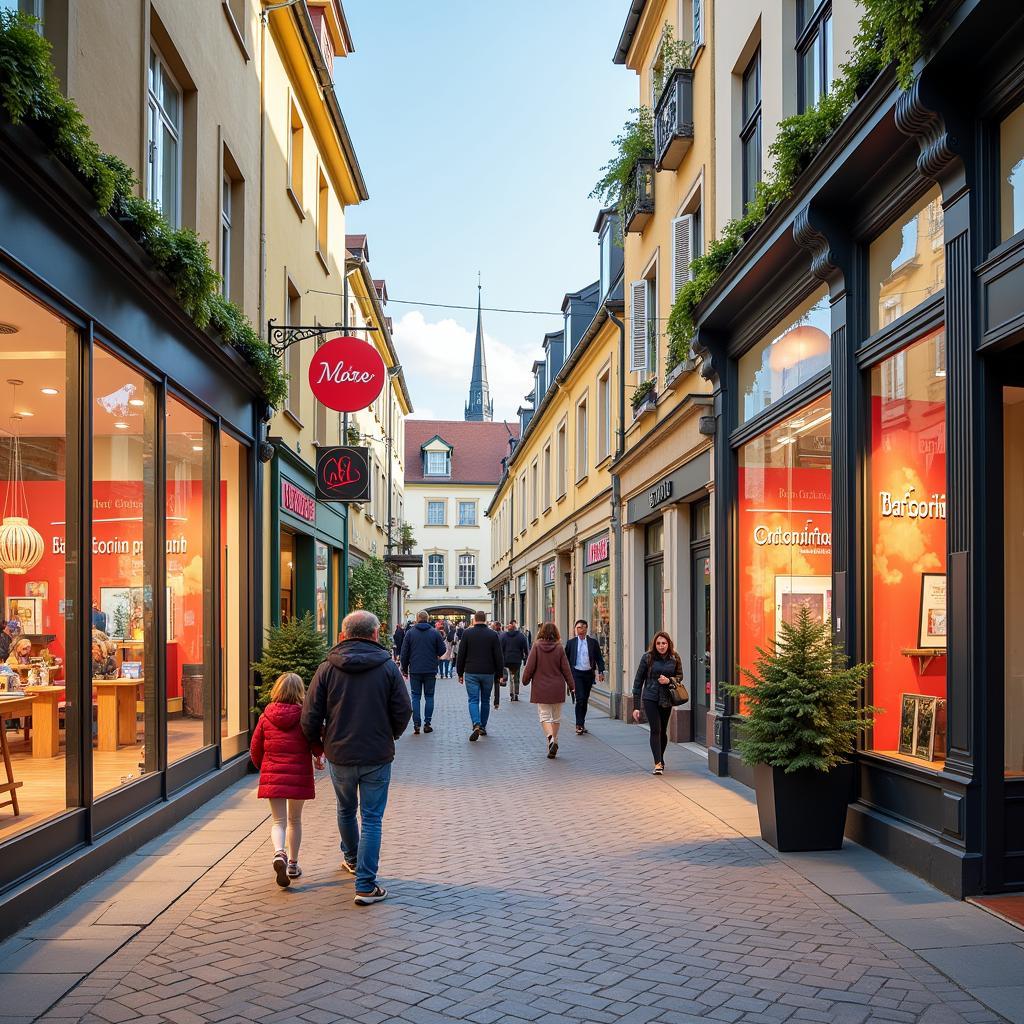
[617,186]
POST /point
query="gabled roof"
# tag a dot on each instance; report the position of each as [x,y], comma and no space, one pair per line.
[381,287]
[358,246]
[477,449]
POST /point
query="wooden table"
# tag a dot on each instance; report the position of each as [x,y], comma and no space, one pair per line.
[115,702]
[46,719]
[11,707]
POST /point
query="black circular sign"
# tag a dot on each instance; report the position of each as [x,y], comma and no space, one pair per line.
[343,474]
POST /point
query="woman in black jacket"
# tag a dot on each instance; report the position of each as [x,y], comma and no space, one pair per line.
[658,667]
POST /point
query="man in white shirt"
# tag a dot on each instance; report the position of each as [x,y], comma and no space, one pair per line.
[586,662]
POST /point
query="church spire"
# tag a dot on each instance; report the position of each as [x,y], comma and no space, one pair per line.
[480,405]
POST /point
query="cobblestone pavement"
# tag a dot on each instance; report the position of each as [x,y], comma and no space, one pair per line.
[524,889]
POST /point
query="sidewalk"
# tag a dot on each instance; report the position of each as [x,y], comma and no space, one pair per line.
[580,889]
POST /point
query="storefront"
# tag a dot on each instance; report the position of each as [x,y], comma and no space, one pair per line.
[869,450]
[306,567]
[596,604]
[548,601]
[127,451]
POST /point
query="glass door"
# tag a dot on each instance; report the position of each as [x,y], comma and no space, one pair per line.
[700,656]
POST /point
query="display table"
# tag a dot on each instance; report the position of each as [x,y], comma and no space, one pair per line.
[11,707]
[115,712]
[46,719]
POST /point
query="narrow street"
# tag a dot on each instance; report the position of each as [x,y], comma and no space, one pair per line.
[581,889]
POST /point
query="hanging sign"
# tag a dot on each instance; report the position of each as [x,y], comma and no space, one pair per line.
[343,474]
[346,374]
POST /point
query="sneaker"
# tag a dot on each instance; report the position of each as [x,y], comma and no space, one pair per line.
[415,730]
[364,899]
[475,734]
[294,871]
[552,748]
[428,728]
[483,731]
[348,866]
[659,769]
[281,869]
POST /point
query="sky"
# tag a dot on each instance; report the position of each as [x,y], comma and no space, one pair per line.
[480,127]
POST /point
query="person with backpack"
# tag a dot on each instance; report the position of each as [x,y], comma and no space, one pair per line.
[285,757]
[547,668]
[659,667]
[515,649]
[420,657]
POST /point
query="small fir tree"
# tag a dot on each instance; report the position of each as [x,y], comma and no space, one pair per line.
[801,700]
[368,588]
[294,646]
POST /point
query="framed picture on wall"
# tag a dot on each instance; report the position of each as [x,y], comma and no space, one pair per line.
[932,630]
[28,611]
[795,592]
[38,589]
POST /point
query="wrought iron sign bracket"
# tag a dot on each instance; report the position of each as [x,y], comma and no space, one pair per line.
[282,338]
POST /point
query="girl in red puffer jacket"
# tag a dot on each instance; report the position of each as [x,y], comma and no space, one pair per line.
[285,760]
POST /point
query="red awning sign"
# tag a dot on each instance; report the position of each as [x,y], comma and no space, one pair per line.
[346,374]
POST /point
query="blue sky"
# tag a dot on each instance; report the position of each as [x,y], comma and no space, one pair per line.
[480,127]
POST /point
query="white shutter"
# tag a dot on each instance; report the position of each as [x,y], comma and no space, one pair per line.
[638,325]
[698,28]
[682,251]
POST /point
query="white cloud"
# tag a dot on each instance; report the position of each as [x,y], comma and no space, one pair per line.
[438,362]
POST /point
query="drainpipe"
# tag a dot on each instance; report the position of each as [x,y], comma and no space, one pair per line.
[344,440]
[620,445]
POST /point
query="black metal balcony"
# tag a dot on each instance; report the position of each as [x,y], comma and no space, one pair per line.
[640,196]
[673,120]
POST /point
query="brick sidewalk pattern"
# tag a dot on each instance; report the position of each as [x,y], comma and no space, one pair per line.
[524,890]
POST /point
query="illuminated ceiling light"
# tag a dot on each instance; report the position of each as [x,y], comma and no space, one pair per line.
[25,413]
[137,402]
[121,426]
[49,391]
[21,545]
[197,447]
[796,346]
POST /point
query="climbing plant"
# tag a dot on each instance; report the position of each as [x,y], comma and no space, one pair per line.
[368,588]
[30,94]
[889,32]
[617,185]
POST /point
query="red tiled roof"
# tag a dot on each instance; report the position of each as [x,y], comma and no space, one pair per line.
[477,449]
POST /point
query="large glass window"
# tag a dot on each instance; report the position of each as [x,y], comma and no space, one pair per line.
[907,262]
[36,732]
[788,356]
[814,51]
[163,178]
[750,132]
[234,590]
[906,514]
[597,590]
[1013,578]
[190,641]
[287,575]
[124,508]
[322,570]
[1011,174]
[784,561]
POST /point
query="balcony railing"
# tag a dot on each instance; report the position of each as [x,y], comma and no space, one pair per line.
[673,120]
[639,206]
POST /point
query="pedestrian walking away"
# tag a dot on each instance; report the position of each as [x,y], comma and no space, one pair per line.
[587,663]
[284,756]
[396,642]
[659,666]
[357,706]
[445,663]
[478,663]
[547,668]
[515,649]
[499,679]
[421,653]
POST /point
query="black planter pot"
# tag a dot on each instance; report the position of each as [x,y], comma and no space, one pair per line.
[804,810]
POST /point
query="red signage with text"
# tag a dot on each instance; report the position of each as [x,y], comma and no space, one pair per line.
[597,550]
[298,502]
[346,374]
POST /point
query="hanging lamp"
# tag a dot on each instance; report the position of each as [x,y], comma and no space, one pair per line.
[21,546]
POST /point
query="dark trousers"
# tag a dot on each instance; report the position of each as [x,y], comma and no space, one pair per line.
[657,719]
[512,675]
[584,684]
[498,680]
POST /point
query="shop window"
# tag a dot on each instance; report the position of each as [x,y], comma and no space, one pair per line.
[234,590]
[435,570]
[784,528]
[548,593]
[597,590]
[907,262]
[1011,174]
[321,553]
[654,578]
[163,176]
[286,605]
[814,51]
[1013,579]
[787,356]
[125,738]
[37,730]
[467,513]
[467,570]
[190,642]
[906,497]
[700,520]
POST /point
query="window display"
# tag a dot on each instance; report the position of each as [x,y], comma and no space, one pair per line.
[906,512]
[784,527]
[549,591]
[234,590]
[1013,581]
[596,590]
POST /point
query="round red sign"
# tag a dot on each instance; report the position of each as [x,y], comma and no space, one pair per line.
[346,374]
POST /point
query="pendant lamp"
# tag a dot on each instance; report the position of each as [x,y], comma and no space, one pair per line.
[21,546]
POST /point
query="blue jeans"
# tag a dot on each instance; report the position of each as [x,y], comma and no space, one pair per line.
[478,690]
[362,787]
[422,683]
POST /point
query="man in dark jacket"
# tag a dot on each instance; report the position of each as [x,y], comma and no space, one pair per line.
[422,646]
[514,650]
[478,663]
[356,707]
[586,661]
[397,640]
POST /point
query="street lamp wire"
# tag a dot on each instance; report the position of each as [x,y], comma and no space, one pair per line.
[450,305]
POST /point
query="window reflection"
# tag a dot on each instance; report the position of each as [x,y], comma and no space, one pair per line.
[1011,174]
[234,589]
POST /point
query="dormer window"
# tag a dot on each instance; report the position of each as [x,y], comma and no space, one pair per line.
[438,464]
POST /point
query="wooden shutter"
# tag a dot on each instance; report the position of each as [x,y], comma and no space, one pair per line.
[682,251]
[638,325]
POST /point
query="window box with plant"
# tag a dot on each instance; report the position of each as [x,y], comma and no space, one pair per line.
[627,180]
[644,399]
[802,716]
[406,539]
[673,114]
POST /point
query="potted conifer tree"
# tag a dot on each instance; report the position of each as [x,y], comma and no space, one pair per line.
[802,717]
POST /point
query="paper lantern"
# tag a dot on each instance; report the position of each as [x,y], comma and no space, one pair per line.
[796,346]
[21,546]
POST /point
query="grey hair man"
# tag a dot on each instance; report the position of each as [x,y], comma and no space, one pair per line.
[357,705]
